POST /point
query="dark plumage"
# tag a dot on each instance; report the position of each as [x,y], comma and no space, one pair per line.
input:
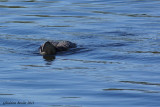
[51,47]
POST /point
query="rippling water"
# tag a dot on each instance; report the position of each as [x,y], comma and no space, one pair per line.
[116,63]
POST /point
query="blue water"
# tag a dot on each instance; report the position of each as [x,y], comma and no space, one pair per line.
[116,63]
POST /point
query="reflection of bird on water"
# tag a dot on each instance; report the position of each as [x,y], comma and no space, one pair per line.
[51,47]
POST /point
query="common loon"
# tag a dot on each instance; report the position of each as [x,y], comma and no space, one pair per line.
[52,47]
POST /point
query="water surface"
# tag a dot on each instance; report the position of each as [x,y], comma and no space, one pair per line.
[116,63]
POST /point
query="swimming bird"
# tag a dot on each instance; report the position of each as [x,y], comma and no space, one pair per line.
[52,47]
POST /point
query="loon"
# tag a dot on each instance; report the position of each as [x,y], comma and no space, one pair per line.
[52,47]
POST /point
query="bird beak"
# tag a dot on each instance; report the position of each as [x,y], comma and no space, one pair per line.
[43,53]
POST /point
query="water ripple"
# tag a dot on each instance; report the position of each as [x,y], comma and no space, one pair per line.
[142,83]
[3,6]
[139,90]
